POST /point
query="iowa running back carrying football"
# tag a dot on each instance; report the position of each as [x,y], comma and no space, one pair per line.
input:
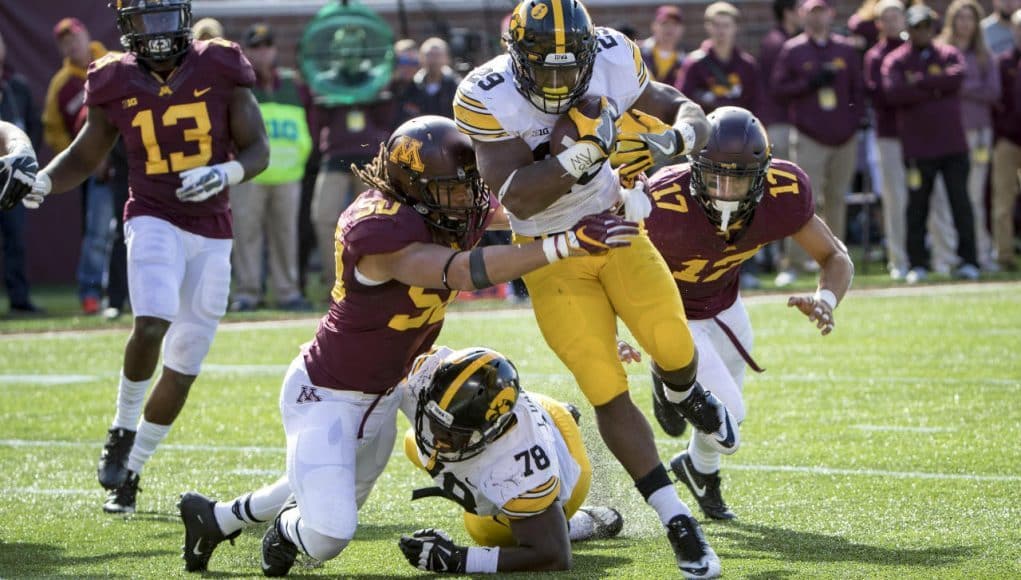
[182,108]
[707,219]
[404,249]
[513,460]
[555,57]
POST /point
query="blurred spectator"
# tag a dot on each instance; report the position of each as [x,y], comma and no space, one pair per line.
[348,134]
[923,80]
[772,112]
[406,65]
[626,29]
[662,51]
[818,75]
[1007,154]
[980,91]
[996,26]
[720,74]
[64,101]
[433,86]
[893,185]
[17,108]
[267,206]
[864,32]
[207,28]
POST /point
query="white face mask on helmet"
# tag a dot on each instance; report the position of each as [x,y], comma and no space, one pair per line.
[726,193]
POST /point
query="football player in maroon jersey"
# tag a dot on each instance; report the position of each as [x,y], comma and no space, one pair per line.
[708,218]
[404,248]
[181,107]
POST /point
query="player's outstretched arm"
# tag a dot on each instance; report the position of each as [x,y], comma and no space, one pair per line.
[836,272]
[75,164]
[435,266]
[671,106]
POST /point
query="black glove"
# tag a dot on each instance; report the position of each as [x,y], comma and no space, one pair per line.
[17,174]
[432,550]
[823,78]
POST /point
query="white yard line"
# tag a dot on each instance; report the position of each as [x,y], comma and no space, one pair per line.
[808,470]
[904,429]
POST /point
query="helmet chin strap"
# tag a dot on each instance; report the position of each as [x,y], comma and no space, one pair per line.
[726,208]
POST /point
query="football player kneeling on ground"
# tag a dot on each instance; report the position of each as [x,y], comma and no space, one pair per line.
[708,218]
[513,460]
[404,249]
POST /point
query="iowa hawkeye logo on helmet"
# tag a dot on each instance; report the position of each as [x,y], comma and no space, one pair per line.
[552,46]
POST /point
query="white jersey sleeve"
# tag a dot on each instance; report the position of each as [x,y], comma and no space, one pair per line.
[477,95]
[620,73]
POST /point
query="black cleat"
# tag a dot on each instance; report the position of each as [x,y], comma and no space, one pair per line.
[704,486]
[113,462]
[122,499]
[278,553]
[666,413]
[709,415]
[201,532]
[575,413]
[608,521]
[694,556]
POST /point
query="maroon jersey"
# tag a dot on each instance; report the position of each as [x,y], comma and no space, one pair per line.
[172,127]
[703,261]
[372,334]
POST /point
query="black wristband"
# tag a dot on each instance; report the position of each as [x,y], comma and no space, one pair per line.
[477,267]
[446,268]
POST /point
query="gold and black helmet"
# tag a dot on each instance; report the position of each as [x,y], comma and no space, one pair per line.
[552,46]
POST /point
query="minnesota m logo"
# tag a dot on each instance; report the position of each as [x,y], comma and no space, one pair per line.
[406,151]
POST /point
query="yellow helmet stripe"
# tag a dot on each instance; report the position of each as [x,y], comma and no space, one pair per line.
[559,37]
[448,395]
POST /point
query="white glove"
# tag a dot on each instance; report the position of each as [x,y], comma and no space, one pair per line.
[17,175]
[201,183]
[637,205]
[40,189]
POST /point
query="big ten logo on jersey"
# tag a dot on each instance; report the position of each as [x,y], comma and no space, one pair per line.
[176,117]
[781,182]
[407,152]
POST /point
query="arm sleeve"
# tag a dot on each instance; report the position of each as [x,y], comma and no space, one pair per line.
[950,78]
[231,62]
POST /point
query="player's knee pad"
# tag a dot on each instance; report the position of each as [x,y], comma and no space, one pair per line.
[320,546]
[186,346]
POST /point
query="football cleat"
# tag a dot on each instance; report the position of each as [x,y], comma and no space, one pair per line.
[113,461]
[710,416]
[695,558]
[666,413]
[278,553]
[201,532]
[704,486]
[122,499]
[608,521]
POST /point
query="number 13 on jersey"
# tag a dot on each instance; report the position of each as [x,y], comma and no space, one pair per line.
[155,163]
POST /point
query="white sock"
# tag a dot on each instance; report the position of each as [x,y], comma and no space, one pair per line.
[667,504]
[581,526]
[148,438]
[130,396]
[703,456]
[251,508]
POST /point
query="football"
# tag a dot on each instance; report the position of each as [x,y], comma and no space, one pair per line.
[564,132]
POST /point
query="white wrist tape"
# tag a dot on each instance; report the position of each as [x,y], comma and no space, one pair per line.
[827,296]
[234,171]
[578,158]
[555,248]
[482,560]
[687,133]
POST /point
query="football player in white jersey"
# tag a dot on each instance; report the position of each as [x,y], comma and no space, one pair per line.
[555,57]
[513,460]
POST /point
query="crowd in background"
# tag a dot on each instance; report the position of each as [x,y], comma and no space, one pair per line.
[921,108]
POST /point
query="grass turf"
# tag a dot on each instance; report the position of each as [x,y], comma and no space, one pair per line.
[891,448]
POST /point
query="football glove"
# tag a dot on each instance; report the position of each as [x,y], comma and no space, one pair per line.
[644,141]
[40,189]
[201,183]
[599,131]
[593,235]
[432,550]
[637,205]
[17,175]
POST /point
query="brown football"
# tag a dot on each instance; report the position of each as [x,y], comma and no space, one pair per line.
[564,132]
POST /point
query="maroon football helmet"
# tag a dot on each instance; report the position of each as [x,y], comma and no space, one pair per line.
[728,176]
[431,167]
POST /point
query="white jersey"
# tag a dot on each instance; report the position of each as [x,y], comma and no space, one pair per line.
[488,107]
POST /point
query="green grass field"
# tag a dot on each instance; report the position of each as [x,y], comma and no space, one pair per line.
[891,448]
